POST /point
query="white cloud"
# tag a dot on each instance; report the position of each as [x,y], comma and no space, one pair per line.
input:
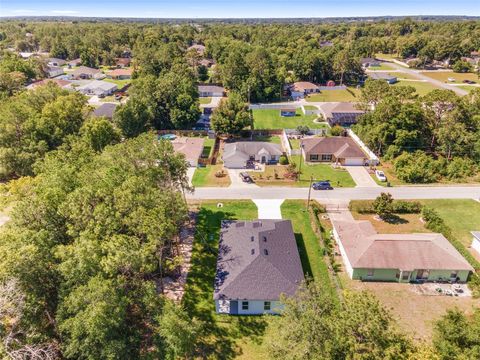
[23,11]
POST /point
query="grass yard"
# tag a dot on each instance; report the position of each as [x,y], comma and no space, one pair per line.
[406,223]
[223,337]
[444,75]
[119,83]
[350,94]
[208,145]
[468,87]
[309,247]
[271,119]
[461,215]
[390,57]
[205,100]
[337,177]
[274,139]
[421,87]
[294,143]
[387,168]
[205,176]
[310,107]
[383,66]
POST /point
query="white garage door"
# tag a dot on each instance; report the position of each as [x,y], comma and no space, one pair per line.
[354,161]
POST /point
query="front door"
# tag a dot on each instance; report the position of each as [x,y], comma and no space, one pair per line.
[233,307]
[422,274]
[264,159]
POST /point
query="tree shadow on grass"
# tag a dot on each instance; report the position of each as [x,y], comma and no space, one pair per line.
[394,219]
[307,269]
[219,331]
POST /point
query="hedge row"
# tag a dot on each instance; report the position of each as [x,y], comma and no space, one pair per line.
[398,207]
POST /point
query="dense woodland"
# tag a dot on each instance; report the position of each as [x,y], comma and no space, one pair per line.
[98,205]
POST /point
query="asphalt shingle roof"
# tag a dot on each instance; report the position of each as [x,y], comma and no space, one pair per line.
[257,260]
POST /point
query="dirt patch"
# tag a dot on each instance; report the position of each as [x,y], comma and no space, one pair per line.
[401,223]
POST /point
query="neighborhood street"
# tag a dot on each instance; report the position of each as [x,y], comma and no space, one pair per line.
[336,195]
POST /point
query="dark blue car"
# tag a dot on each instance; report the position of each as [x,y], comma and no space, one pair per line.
[322,185]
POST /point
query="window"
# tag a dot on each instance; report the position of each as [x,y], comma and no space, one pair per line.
[327,157]
[313,157]
[405,275]
[453,275]
[267,305]
[370,272]
[244,305]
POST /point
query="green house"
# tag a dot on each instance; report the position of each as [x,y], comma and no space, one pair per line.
[369,256]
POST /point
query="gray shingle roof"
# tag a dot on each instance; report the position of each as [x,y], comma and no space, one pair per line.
[105,110]
[257,260]
[340,146]
[243,149]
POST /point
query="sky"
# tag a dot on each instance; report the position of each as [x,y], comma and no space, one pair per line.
[236,8]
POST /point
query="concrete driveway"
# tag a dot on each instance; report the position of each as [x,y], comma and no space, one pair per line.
[236,182]
[190,172]
[361,176]
[269,208]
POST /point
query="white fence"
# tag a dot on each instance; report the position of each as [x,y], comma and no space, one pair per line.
[373,159]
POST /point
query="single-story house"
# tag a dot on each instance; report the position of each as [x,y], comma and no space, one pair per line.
[192,148]
[211,91]
[123,62]
[339,149]
[105,110]
[56,62]
[257,262]
[53,71]
[236,155]
[302,88]
[98,87]
[343,113]
[200,49]
[120,74]
[382,76]
[84,72]
[369,256]
[74,62]
[288,111]
[368,62]
[61,83]
[476,240]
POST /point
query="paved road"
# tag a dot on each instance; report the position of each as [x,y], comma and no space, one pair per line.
[336,195]
[418,75]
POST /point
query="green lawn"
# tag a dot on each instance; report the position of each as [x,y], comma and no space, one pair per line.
[271,119]
[461,215]
[268,138]
[422,87]
[468,87]
[445,75]
[350,94]
[383,66]
[205,100]
[381,56]
[223,336]
[119,83]
[310,107]
[294,143]
[309,247]
[205,177]
[338,178]
[208,146]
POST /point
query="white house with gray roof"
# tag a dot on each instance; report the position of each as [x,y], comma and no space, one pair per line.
[237,155]
[98,87]
[257,262]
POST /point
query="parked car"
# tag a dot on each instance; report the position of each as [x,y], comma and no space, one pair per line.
[451,79]
[246,178]
[466,81]
[380,175]
[322,185]
[118,97]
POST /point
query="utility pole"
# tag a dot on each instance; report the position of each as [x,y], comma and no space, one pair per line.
[301,158]
[309,192]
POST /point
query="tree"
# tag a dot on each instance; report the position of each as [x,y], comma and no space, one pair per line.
[337,130]
[133,118]
[99,132]
[178,331]
[462,67]
[231,116]
[382,205]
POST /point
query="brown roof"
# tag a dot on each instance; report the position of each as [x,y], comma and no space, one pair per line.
[59,82]
[119,72]
[304,85]
[85,70]
[257,260]
[368,250]
[190,147]
[123,61]
[340,146]
[199,48]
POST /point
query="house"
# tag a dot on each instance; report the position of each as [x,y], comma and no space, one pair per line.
[56,62]
[236,155]
[382,76]
[211,91]
[61,83]
[98,88]
[53,71]
[369,62]
[302,88]
[105,110]
[338,149]
[74,62]
[326,43]
[191,148]
[84,72]
[369,256]
[288,111]
[476,240]
[200,49]
[257,262]
[343,113]
[120,74]
[123,62]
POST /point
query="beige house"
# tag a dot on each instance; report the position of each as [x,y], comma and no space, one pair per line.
[337,149]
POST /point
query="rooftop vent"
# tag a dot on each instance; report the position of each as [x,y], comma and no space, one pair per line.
[253,251]
[265,239]
[265,251]
[252,238]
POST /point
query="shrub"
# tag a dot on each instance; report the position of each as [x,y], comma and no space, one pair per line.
[460,168]
[406,207]
[303,129]
[337,130]
[462,67]
[283,160]
[416,168]
[382,205]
